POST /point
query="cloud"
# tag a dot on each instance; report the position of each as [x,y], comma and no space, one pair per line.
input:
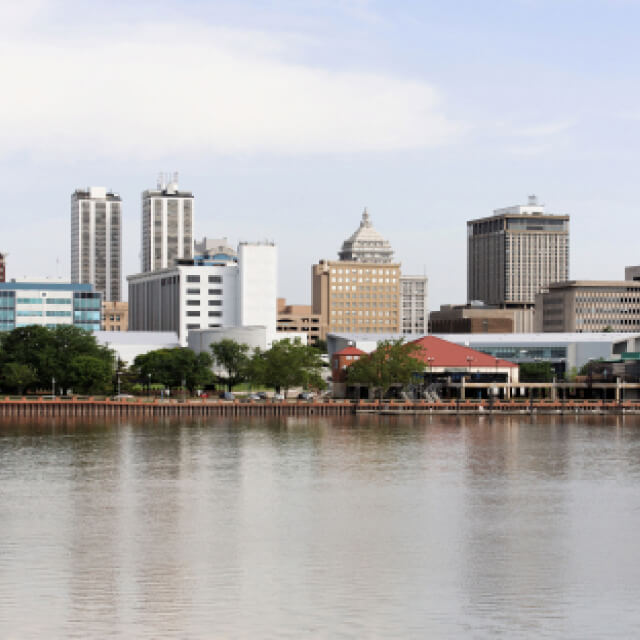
[545,129]
[171,88]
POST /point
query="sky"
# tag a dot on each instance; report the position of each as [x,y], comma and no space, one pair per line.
[287,117]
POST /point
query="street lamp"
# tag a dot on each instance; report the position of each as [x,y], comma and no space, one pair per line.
[149,383]
[53,387]
[184,390]
[119,373]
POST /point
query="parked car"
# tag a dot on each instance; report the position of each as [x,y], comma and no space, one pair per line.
[305,395]
[252,397]
[227,395]
[277,396]
[262,395]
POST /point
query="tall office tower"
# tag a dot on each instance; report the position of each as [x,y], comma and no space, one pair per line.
[2,267]
[360,293]
[515,254]
[413,303]
[167,225]
[96,240]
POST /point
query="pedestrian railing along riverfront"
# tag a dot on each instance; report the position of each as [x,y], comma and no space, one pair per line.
[91,406]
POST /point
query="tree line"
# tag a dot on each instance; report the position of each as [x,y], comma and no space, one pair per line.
[37,358]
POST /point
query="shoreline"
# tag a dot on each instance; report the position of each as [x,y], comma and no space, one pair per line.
[15,406]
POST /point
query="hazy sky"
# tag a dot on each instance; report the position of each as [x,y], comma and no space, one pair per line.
[286,118]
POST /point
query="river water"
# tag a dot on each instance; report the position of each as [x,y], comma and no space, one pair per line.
[443,527]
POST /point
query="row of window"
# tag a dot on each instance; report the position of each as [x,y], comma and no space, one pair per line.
[212,314]
[196,303]
[212,279]
[196,292]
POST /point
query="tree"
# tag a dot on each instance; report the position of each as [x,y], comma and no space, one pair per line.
[171,366]
[536,372]
[287,364]
[90,374]
[234,358]
[16,376]
[393,362]
[51,354]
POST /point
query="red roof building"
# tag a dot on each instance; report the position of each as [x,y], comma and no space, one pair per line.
[438,353]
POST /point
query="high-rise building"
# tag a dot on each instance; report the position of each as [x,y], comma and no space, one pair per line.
[515,254]
[167,225]
[2,267]
[208,291]
[360,292]
[96,240]
[413,303]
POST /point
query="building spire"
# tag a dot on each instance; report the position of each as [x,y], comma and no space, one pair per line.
[366,221]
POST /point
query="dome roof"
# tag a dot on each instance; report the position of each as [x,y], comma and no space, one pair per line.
[366,244]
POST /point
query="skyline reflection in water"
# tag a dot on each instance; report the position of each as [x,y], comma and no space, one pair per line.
[405,526]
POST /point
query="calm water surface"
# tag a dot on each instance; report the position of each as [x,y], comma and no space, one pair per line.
[361,528]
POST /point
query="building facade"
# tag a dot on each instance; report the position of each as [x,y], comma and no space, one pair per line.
[96,240]
[298,318]
[361,291]
[515,254]
[357,297]
[49,304]
[472,318]
[207,292]
[3,273]
[414,312]
[115,316]
[167,225]
[589,306]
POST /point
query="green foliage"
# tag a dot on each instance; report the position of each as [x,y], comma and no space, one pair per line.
[321,346]
[393,362]
[170,366]
[572,374]
[16,376]
[536,372]
[67,353]
[234,358]
[287,364]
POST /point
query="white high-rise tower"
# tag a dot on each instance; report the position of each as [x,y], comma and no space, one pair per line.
[167,225]
[96,240]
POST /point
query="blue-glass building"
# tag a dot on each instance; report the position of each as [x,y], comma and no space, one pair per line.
[49,304]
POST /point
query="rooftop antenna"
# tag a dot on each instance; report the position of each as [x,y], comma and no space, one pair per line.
[175,177]
[160,180]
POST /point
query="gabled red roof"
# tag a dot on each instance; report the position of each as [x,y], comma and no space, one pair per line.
[448,354]
[350,351]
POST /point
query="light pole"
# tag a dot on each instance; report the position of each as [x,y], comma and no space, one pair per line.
[148,384]
[118,374]
[184,389]
[53,387]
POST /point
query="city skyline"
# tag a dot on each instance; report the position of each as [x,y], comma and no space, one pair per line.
[305,113]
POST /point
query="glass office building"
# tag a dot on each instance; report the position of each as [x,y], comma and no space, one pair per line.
[49,304]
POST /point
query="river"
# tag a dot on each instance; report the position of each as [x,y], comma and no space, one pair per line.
[366,527]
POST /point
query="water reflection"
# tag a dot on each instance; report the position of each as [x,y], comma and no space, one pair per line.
[451,526]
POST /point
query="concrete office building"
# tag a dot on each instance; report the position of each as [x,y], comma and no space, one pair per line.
[208,292]
[49,304]
[361,291]
[167,225]
[516,253]
[115,316]
[414,312]
[96,240]
[589,306]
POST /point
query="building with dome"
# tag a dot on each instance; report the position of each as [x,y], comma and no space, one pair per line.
[361,291]
[366,245]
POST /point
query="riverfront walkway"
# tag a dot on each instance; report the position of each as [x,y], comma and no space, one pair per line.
[15,406]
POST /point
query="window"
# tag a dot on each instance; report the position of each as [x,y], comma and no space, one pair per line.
[193,326]
[193,314]
[193,292]
[215,292]
[214,280]
[215,314]
[193,278]
[29,301]
[193,303]
[215,303]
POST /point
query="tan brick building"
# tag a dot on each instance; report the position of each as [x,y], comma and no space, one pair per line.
[115,316]
[299,318]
